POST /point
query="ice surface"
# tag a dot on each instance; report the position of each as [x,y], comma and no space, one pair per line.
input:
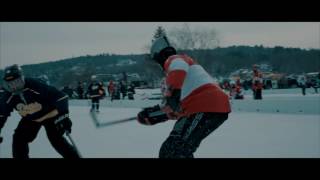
[291,132]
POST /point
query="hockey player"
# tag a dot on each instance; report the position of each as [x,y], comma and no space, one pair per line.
[111,88]
[235,91]
[123,89]
[302,80]
[131,92]
[257,83]
[96,92]
[39,105]
[190,97]
[80,90]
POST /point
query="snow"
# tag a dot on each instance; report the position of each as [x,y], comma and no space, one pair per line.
[292,132]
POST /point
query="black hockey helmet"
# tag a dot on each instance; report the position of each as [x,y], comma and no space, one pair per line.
[13,79]
[161,49]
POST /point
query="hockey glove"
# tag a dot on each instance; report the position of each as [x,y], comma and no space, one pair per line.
[152,115]
[63,124]
[170,113]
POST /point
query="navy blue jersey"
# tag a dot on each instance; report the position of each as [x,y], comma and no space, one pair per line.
[36,100]
[96,89]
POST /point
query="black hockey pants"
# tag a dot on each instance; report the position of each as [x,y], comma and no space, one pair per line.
[27,131]
[188,133]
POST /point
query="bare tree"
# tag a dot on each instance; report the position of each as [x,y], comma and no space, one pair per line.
[198,40]
[181,37]
[205,38]
[184,38]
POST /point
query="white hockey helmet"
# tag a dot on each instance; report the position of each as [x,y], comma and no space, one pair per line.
[161,48]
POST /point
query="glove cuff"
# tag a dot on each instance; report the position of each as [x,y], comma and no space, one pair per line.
[61,118]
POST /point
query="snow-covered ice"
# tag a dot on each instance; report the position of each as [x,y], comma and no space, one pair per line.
[284,124]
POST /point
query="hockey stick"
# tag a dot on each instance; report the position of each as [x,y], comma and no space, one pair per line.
[74,145]
[157,113]
[116,121]
[98,124]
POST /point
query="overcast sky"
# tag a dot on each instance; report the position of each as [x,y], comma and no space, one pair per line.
[34,42]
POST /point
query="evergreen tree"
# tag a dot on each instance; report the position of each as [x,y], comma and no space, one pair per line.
[160,31]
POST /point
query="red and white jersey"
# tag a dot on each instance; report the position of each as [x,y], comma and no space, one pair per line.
[199,93]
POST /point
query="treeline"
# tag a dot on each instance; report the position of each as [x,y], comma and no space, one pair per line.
[222,61]
[218,62]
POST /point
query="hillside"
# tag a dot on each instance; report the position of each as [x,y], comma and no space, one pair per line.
[218,62]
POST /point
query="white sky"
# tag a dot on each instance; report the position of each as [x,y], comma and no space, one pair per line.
[35,42]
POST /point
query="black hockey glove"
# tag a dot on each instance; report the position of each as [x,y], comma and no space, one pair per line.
[63,124]
[152,115]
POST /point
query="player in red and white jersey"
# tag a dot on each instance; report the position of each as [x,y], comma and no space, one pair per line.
[190,96]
